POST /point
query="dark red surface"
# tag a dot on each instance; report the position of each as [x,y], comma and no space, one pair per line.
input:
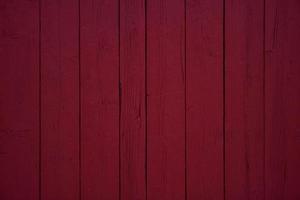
[59,100]
[155,99]
[19,100]
[99,99]
[204,100]
[166,102]
[282,112]
[244,100]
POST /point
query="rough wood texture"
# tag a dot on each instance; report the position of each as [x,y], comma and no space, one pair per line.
[19,100]
[166,100]
[132,100]
[282,100]
[59,100]
[100,99]
[204,99]
[149,99]
[244,102]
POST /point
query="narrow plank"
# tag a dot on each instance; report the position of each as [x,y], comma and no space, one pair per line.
[282,100]
[100,99]
[132,99]
[244,153]
[59,100]
[166,99]
[19,102]
[204,50]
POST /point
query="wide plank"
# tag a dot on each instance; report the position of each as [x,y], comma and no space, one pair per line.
[166,99]
[204,99]
[19,100]
[59,100]
[99,42]
[282,99]
[244,100]
[132,100]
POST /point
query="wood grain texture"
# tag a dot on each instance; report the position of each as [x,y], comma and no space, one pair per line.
[149,99]
[244,111]
[132,100]
[19,100]
[166,99]
[100,99]
[204,99]
[59,100]
[282,100]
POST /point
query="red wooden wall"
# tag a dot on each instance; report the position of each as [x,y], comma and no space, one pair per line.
[149,99]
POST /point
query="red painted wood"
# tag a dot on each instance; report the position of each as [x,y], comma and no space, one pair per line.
[282,100]
[128,96]
[19,100]
[59,100]
[204,82]
[166,102]
[100,99]
[132,100]
[244,153]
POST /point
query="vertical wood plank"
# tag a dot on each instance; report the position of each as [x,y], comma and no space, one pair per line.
[204,34]
[244,40]
[282,100]
[59,100]
[132,102]
[19,101]
[100,99]
[166,99]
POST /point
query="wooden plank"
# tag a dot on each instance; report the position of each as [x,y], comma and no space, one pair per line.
[204,51]
[19,102]
[100,99]
[166,99]
[59,100]
[282,100]
[244,153]
[132,101]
